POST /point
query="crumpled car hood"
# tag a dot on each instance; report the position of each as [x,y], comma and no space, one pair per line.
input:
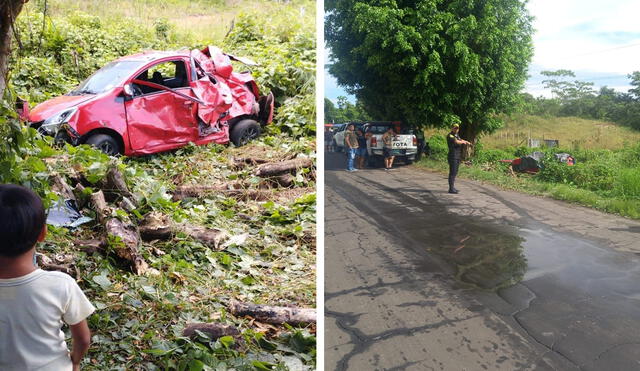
[49,108]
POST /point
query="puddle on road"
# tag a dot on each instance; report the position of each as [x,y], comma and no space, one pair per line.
[485,259]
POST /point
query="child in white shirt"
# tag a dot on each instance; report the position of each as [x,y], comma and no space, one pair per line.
[34,304]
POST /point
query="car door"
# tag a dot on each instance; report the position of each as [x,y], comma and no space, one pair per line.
[161,114]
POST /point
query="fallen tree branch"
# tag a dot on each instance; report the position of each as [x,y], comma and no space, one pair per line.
[277,168]
[156,226]
[125,235]
[183,192]
[272,314]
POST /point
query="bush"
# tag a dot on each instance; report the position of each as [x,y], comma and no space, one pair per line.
[491,156]
[627,184]
[438,147]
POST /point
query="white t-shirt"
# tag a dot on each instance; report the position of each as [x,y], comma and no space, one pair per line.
[32,311]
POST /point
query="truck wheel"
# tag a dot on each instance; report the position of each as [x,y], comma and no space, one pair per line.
[106,143]
[244,131]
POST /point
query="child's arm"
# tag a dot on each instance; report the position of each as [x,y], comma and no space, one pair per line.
[81,336]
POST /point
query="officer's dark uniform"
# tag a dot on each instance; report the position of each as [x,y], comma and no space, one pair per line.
[454,156]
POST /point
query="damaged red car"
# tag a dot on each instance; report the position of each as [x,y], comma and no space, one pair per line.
[157,101]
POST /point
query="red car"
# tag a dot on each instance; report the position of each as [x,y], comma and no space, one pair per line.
[157,101]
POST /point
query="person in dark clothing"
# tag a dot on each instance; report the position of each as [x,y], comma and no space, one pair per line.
[361,153]
[455,144]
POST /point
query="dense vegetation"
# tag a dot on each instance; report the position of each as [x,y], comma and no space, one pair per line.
[269,253]
[344,111]
[431,62]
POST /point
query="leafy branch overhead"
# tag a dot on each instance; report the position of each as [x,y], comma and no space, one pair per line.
[431,62]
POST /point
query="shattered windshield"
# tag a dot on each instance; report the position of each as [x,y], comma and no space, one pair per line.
[109,76]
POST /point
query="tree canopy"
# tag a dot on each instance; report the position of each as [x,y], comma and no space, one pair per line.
[345,111]
[431,62]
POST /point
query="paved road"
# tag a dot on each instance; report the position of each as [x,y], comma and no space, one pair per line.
[418,279]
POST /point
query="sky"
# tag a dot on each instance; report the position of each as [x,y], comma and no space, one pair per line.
[598,40]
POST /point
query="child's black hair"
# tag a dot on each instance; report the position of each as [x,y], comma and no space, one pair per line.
[22,218]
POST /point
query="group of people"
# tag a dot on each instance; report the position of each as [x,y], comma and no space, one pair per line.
[355,141]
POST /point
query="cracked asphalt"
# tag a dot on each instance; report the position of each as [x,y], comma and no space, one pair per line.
[418,279]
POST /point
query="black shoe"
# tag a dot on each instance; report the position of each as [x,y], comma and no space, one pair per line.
[454,191]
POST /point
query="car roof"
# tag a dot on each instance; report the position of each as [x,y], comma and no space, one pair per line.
[151,55]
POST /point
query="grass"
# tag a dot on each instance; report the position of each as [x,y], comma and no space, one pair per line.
[193,21]
[571,132]
[525,183]
[139,319]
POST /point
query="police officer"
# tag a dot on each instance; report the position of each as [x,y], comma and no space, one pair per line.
[455,153]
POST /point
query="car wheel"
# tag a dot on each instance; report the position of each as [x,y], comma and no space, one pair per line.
[244,131]
[106,143]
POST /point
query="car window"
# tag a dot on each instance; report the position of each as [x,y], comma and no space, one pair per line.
[108,77]
[172,74]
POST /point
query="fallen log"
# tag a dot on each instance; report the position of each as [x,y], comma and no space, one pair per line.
[126,236]
[204,191]
[115,184]
[126,245]
[214,330]
[60,186]
[277,168]
[284,180]
[156,226]
[273,314]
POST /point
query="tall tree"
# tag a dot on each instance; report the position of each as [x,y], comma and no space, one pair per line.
[9,10]
[432,62]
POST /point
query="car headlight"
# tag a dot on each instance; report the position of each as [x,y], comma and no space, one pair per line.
[52,124]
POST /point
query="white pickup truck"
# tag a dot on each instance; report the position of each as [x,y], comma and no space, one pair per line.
[339,134]
[404,144]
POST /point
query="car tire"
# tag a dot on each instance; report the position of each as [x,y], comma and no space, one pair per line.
[244,131]
[106,143]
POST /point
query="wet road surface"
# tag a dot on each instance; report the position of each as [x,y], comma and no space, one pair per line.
[419,279]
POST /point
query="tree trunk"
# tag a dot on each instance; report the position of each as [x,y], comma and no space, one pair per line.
[9,10]
[277,168]
[469,133]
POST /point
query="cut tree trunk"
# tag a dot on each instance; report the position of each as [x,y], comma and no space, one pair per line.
[277,168]
[126,235]
[156,226]
[272,314]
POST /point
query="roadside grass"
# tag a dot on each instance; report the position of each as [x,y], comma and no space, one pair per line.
[498,175]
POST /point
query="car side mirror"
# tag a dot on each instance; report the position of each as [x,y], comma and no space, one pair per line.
[128,90]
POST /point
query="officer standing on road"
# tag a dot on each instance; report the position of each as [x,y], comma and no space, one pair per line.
[455,154]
